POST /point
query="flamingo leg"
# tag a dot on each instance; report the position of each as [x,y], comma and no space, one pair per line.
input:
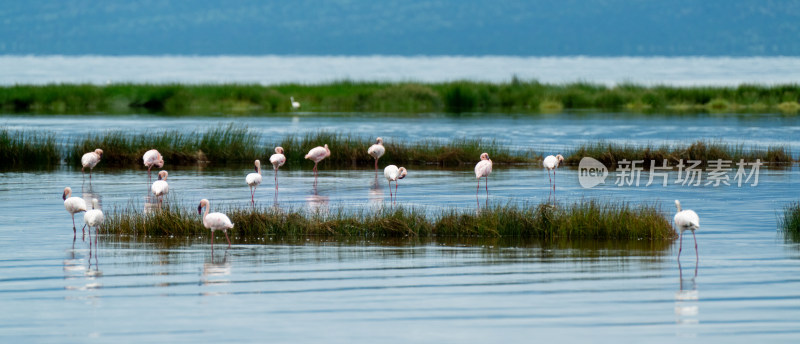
[390,190]
[680,247]
[696,254]
[212,240]
[395,190]
[376,166]
[487,187]
[226,238]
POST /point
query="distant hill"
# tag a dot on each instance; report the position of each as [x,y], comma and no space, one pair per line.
[396,27]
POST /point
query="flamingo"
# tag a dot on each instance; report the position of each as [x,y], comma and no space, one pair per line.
[376,151]
[90,160]
[686,219]
[393,174]
[277,160]
[482,169]
[93,218]
[215,221]
[152,158]
[160,186]
[551,163]
[73,205]
[295,105]
[254,179]
[316,154]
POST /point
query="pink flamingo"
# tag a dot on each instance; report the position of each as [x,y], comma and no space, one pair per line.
[686,219]
[482,169]
[90,160]
[393,174]
[253,179]
[316,154]
[73,205]
[215,221]
[551,163]
[152,158]
[160,187]
[277,160]
[376,151]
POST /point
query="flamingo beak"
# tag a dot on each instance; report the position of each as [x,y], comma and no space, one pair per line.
[64,196]
[159,176]
[199,209]
[255,168]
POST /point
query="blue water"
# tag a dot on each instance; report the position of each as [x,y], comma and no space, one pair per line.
[54,289]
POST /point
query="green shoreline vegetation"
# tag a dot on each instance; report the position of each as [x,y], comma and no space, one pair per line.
[236,144]
[355,96]
[584,220]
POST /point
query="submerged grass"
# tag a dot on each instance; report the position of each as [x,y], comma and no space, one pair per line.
[456,96]
[28,148]
[588,220]
[790,223]
[611,153]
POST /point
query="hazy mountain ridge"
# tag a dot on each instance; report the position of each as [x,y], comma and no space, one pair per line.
[438,27]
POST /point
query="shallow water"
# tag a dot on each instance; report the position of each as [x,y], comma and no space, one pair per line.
[359,289]
[546,133]
[678,71]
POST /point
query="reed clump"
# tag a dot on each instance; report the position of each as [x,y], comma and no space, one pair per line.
[587,220]
[350,96]
[611,153]
[219,145]
[790,222]
[350,150]
[28,148]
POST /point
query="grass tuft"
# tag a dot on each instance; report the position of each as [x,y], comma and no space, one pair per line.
[790,223]
[28,148]
[588,220]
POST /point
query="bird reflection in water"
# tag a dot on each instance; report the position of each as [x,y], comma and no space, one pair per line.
[687,300]
[375,192]
[317,202]
[216,270]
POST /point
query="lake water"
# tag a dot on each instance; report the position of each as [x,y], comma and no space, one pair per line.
[746,288]
[678,71]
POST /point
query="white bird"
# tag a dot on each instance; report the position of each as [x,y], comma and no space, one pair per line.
[215,221]
[376,151]
[550,163]
[482,169]
[254,179]
[686,219]
[160,186]
[316,155]
[295,105]
[90,160]
[152,158]
[93,218]
[73,205]
[393,174]
[277,160]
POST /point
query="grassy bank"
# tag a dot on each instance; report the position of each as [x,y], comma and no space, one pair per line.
[28,149]
[587,220]
[238,145]
[790,223]
[611,153]
[458,96]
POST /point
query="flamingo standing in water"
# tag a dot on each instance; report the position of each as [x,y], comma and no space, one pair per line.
[316,155]
[160,186]
[93,218]
[215,221]
[295,105]
[277,160]
[686,219]
[393,174]
[482,169]
[90,160]
[254,179]
[73,205]
[376,151]
[551,163]
[152,158]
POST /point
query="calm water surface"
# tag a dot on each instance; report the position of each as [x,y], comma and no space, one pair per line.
[312,289]
[678,71]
